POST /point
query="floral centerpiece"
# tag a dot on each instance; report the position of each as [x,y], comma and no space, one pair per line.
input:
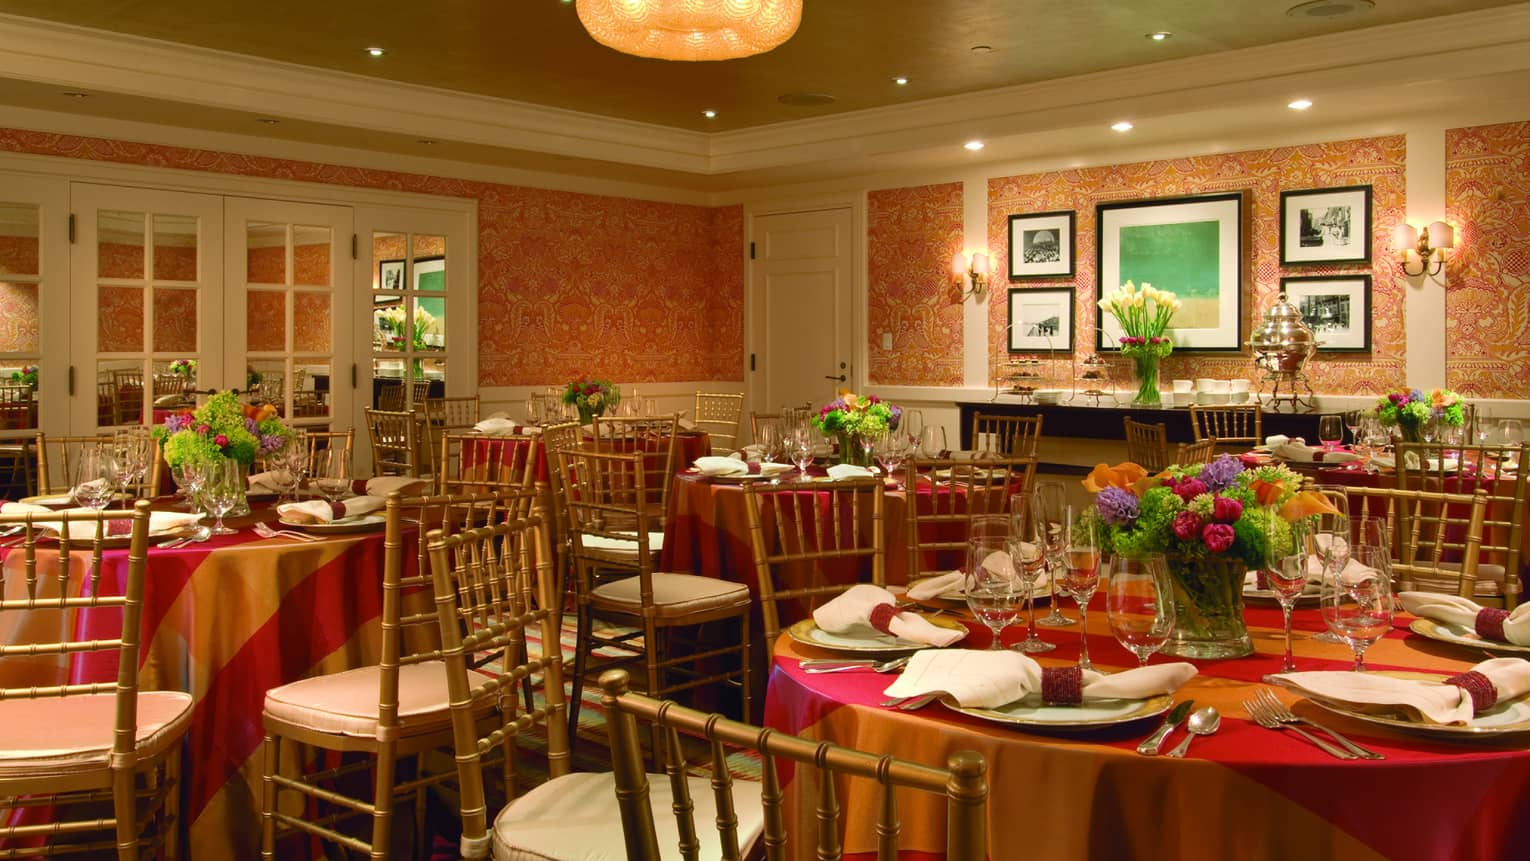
[851,418]
[591,398]
[1143,314]
[1409,409]
[184,368]
[1213,522]
[222,427]
[27,376]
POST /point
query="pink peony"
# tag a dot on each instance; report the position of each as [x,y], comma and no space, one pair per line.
[1187,524]
[1226,510]
[202,428]
[220,440]
[1218,536]
[1190,488]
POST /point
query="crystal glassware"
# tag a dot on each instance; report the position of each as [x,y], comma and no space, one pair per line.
[1030,562]
[220,490]
[992,590]
[1330,431]
[1356,598]
[1081,575]
[1288,579]
[1139,602]
[1050,501]
[95,478]
[333,473]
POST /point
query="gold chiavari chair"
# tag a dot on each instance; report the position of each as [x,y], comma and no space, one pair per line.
[718,415]
[939,523]
[555,440]
[127,388]
[396,443]
[58,457]
[390,395]
[739,812]
[399,707]
[1435,539]
[758,421]
[67,744]
[419,393]
[657,438]
[1202,452]
[1238,424]
[1147,445]
[452,413]
[321,442]
[474,463]
[1007,436]
[618,581]
[816,525]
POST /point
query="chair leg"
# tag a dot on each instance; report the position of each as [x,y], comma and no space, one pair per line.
[585,630]
[420,800]
[268,799]
[172,811]
[746,672]
[125,808]
[654,651]
[382,802]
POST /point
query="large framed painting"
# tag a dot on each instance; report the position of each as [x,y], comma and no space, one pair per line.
[1189,246]
[1325,225]
[1041,245]
[1040,319]
[1337,308]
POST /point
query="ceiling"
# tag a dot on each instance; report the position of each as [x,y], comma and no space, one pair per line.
[495,82]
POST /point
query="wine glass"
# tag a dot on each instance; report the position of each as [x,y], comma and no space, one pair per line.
[193,477]
[1139,602]
[1352,419]
[220,490]
[799,446]
[867,442]
[1029,561]
[891,448]
[993,591]
[333,473]
[911,426]
[1483,427]
[1330,431]
[932,441]
[95,477]
[1429,430]
[1510,432]
[1081,574]
[1050,501]
[769,441]
[1356,599]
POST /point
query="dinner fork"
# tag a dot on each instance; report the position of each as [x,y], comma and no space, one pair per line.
[264,530]
[1280,712]
[1268,721]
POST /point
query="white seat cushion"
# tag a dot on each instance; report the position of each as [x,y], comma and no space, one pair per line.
[673,594]
[61,736]
[575,818]
[345,703]
[622,545]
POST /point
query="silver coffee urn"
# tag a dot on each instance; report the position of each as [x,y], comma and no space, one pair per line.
[1282,344]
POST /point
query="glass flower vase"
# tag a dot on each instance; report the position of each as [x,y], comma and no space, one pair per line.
[1208,602]
[851,451]
[1145,373]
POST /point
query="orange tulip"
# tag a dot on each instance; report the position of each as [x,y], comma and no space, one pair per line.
[1266,492]
[1122,475]
[1307,503]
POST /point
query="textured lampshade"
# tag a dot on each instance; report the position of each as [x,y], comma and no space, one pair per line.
[690,29]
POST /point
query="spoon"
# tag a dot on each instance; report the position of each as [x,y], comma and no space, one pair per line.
[833,666]
[201,534]
[1203,722]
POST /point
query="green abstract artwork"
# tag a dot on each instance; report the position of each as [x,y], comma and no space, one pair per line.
[1182,258]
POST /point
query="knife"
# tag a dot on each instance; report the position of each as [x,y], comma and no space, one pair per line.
[1151,745]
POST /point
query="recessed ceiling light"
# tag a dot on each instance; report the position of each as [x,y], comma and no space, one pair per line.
[1122,126]
[75,94]
[1160,36]
[711,115]
[1330,8]
[982,49]
[267,121]
[377,52]
[973,145]
[1300,104]
[901,81]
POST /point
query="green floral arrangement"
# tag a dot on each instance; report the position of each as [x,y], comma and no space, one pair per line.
[591,397]
[27,376]
[222,427]
[1408,409]
[184,367]
[854,415]
[1144,314]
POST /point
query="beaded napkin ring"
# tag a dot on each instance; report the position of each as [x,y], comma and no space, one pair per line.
[1484,694]
[1489,623]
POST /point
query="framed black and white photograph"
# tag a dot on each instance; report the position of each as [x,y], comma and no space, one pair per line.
[1041,245]
[1337,308]
[1040,319]
[1191,247]
[1325,225]
[390,275]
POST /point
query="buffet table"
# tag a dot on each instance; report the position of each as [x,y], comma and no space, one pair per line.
[1079,420]
[1246,792]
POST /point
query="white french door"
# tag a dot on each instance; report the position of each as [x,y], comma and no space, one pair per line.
[34,306]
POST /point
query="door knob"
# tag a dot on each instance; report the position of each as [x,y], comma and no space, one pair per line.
[840,378]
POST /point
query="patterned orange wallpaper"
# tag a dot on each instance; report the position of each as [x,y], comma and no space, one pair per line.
[1487,298]
[119,323]
[175,320]
[266,320]
[310,324]
[18,255]
[1377,162]
[912,234]
[569,283]
[18,318]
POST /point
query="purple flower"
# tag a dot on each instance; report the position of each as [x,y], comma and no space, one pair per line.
[249,425]
[1226,510]
[270,442]
[177,422]
[1189,488]
[1219,474]
[1186,525]
[1118,507]
[1218,537]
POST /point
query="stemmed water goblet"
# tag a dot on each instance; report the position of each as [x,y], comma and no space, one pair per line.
[193,477]
[1510,432]
[1330,431]
[220,491]
[769,442]
[992,590]
[932,441]
[891,449]
[799,446]
[1049,516]
[95,478]
[1352,419]
[333,474]
[1029,561]
[911,426]
[1081,574]
[1139,602]
[1356,598]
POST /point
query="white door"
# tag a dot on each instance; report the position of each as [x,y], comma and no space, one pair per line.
[147,273]
[802,332]
[34,308]
[289,335]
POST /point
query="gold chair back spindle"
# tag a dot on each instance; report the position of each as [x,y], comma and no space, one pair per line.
[718,415]
[323,441]
[1237,424]
[396,443]
[1202,452]
[967,489]
[1006,436]
[1147,445]
[657,439]
[474,463]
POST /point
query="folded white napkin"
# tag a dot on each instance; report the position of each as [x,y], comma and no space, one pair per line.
[1352,572]
[24,508]
[408,485]
[1455,610]
[933,587]
[1298,450]
[842,471]
[497,426]
[323,511]
[270,481]
[851,612]
[989,679]
[160,522]
[714,465]
[1276,439]
[1437,702]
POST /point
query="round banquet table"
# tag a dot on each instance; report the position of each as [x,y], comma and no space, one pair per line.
[1244,793]
[225,620]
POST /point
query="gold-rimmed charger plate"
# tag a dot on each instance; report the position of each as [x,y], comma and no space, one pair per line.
[67,499]
[361,523]
[124,540]
[1457,635]
[1031,712]
[808,633]
[1504,718]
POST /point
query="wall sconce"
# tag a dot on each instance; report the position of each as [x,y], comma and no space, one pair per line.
[1427,246]
[974,268]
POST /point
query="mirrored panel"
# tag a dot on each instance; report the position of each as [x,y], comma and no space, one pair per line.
[18,239]
[119,319]
[175,247]
[119,244]
[175,320]
[265,321]
[388,320]
[266,380]
[311,324]
[430,322]
[119,392]
[388,254]
[388,384]
[310,256]
[310,390]
[265,256]
[18,394]
[175,384]
[18,318]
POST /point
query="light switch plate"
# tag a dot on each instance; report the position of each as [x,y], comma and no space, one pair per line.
[887,340]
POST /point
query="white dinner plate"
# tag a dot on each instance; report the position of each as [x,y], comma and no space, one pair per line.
[1031,712]
[1512,716]
[362,523]
[1459,635]
[808,633]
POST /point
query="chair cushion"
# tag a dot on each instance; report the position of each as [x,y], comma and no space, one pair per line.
[1489,578]
[673,594]
[61,736]
[575,818]
[605,544]
[345,703]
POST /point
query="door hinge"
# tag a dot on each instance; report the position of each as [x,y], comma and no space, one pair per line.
[353,375]
[71,238]
[751,251]
[71,371]
[354,246]
[751,361]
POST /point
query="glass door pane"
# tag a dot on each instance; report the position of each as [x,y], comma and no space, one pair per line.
[20,317]
[409,313]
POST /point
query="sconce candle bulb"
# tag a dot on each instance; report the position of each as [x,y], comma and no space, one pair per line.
[1428,246]
[973,267]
